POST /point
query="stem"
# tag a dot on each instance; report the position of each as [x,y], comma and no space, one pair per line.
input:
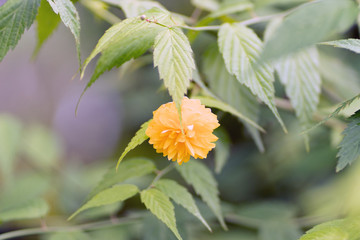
[87,226]
[97,9]
[160,174]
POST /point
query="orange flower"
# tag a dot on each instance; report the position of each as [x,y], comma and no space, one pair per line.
[194,137]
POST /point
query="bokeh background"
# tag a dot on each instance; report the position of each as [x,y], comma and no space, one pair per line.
[63,156]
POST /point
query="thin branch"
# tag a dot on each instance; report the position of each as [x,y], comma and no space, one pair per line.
[87,226]
[97,9]
[160,174]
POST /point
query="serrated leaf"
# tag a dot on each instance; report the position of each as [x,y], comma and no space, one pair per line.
[47,22]
[208,5]
[34,208]
[341,107]
[299,73]
[138,139]
[215,103]
[240,48]
[10,140]
[133,8]
[173,57]
[108,196]
[279,230]
[222,150]
[231,6]
[181,196]
[159,205]
[70,17]
[301,27]
[344,229]
[350,145]
[204,183]
[15,17]
[231,91]
[76,235]
[129,169]
[124,41]
[350,44]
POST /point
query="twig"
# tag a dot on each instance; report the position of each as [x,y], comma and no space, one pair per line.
[87,226]
[160,174]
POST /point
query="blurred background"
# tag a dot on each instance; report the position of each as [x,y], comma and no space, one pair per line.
[47,151]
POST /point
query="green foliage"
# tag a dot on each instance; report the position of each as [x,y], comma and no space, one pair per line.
[279,230]
[173,57]
[138,139]
[15,17]
[241,48]
[42,147]
[231,6]
[231,91]
[108,196]
[181,196]
[47,22]
[299,73]
[340,108]
[349,146]
[70,17]
[344,229]
[10,135]
[129,169]
[350,44]
[126,40]
[159,204]
[204,183]
[133,8]
[301,27]
[215,103]
[35,208]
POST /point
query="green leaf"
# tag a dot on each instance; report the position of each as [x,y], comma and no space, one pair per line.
[215,103]
[341,107]
[131,168]
[349,146]
[208,5]
[279,230]
[159,204]
[240,48]
[70,17]
[301,27]
[138,139]
[42,147]
[10,140]
[124,41]
[108,196]
[300,75]
[173,57]
[222,150]
[34,208]
[15,17]
[344,229]
[133,8]
[23,189]
[231,6]
[204,183]
[76,235]
[350,44]
[231,91]
[47,22]
[181,196]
